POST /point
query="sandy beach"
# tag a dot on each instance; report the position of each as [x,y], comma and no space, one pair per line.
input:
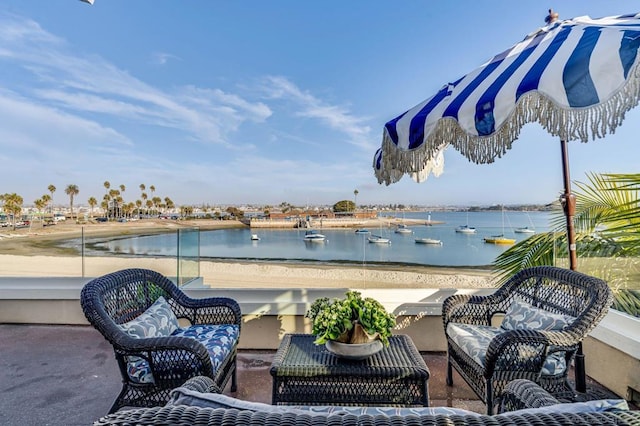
[38,252]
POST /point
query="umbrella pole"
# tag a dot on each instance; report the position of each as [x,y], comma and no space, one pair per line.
[568,201]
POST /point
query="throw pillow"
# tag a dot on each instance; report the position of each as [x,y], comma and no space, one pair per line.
[183,396]
[158,320]
[524,316]
[596,406]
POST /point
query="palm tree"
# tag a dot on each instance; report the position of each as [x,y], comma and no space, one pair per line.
[107,185]
[144,203]
[355,198]
[156,203]
[40,204]
[51,189]
[71,190]
[138,206]
[92,203]
[142,188]
[13,206]
[47,199]
[607,223]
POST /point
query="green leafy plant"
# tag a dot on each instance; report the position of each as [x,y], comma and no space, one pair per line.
[353,319]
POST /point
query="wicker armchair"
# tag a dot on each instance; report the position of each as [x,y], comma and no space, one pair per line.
[520,395]
[523,353]
[120,297]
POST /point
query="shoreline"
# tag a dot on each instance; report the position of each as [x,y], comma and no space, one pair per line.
[37,252]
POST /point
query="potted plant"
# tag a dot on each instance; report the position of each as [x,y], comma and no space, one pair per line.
[353,320]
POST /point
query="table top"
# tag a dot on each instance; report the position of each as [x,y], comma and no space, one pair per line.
[299,356]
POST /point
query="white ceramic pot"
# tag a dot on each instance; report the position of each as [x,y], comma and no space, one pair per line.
[354,351]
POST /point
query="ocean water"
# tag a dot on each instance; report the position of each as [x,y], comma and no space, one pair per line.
[344,245]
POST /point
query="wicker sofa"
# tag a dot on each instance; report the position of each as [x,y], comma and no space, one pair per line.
[523,403]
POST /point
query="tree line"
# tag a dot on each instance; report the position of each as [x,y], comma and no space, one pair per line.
[113,203]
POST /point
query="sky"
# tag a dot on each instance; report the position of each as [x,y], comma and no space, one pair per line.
[255,102]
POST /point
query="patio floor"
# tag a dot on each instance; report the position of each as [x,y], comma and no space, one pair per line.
[67,375]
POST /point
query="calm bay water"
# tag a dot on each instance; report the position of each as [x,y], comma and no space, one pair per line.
[344,245]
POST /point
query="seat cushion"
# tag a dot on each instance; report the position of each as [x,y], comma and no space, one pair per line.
[219,340]
[474,341]
[522,315]
[158,320]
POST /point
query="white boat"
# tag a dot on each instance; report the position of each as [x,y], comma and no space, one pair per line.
[525,230]
[428,241]
[377,239]
[466,229]
[362,231]
[314,236]
[254,237]
[402,229]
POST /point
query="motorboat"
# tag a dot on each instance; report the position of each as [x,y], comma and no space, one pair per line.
[466,229]
[403,229]
[428,241]
[499,239]
[254,237]
[377,239]
[525,230]
[362,231]
[314,236]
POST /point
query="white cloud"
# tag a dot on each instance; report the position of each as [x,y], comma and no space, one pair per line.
[162,58]
[336,117]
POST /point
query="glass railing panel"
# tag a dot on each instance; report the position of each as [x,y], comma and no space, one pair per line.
[188,255]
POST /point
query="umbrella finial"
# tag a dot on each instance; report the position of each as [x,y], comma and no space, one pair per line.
[551,17]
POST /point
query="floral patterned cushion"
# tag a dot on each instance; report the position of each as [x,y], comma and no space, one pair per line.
[522,315]
[474,341]
[139,370]
[158,320]
[218,339]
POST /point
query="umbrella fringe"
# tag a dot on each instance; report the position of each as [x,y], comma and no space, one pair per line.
[567,124]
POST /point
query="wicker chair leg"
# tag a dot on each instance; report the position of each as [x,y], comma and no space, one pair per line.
[449,373]
[117,404]
[489,398]
[234,379]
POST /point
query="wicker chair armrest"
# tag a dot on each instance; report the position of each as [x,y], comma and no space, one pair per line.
[469,309]
[164,343]
[202,384]
[170,353]
[520,393]
[212,310]
[508,343]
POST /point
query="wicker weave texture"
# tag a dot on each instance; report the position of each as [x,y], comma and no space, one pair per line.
[307,374]
[121,296]
[557,290]
[182,415]
[521,394]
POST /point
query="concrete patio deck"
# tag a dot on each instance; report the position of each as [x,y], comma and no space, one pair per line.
[67,375]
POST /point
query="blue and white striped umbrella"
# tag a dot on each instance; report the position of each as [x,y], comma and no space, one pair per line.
[575,77]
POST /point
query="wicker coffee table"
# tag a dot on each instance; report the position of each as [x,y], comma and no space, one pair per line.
[307,374]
